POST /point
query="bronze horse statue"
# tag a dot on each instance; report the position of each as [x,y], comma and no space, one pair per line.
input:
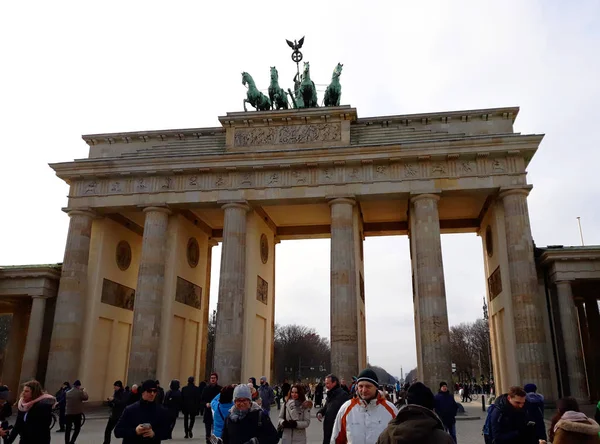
[276,93]
[306,94]
[254,97]
[333,93]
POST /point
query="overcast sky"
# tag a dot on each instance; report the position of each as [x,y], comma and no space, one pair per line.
[72,68]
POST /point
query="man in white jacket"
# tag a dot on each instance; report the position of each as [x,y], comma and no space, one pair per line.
[362,419]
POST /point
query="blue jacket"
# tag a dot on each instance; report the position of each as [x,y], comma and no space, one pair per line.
[142,412]
[220,413]
[535,410]
[446,407]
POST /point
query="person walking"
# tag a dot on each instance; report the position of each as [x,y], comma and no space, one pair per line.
[570,426]
[160,394]
[295,417]
[34,415]
[117,404]
[173,404]
[285,389]
[190,405]
[319,395]
[535,410]
[220,406]
[266,394]
[362,419]
[335,398]
[61,399]
[208,394]
[135,395]
[446,408]
[144,421]
[74,411]
[510,422]
[247,421]
[416,423]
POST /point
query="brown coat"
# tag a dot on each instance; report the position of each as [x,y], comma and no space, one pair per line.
[571,432]
[415,425]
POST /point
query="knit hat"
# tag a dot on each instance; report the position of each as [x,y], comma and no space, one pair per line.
[242,391]
[529,388]
[149,385]
[369,376]
[443,383]
[118,384]
[420,394]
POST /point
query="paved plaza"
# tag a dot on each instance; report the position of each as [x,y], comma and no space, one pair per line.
[468,431]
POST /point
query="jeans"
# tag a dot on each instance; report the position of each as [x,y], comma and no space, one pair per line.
[110,426]
[451,429]
[188,422]
[72,420]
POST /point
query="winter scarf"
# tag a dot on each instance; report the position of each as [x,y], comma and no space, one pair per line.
[25,406]
[237,415]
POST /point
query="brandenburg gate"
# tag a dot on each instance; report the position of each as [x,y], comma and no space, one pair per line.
[147,207]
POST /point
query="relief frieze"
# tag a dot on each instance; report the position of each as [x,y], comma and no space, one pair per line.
[288,134]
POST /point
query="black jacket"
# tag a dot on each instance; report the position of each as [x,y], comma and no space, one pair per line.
[118,404]
[256,424]
[132,398]
[335,398]
[190,396]
[35,429]
[173,402]
[446,407]
[509,425]
[143,412]
[208,394]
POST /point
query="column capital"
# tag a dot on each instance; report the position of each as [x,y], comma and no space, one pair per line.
[415,197]
[516,190]
[235,204]
[212,243]
[81,212]
[342,200]
[157,209]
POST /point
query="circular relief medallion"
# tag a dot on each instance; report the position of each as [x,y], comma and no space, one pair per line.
[489,241]
[193,252]
[264,248]
[123,255]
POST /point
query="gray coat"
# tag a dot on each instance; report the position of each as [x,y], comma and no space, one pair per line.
[301,415]
[75,398]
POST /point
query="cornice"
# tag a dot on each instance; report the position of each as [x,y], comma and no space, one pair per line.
[551,255]
[445,116]
[470,146]
[31,271]
[145,136]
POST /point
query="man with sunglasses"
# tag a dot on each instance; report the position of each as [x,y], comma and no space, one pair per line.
[144,421]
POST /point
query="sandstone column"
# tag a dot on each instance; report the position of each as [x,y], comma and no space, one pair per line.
[593,324]
[65,345]
[530,333]
[585,342]
[14,348]
[145,337]
[572,341]
[229,343]
[31,354]
[344,304]
[432,312]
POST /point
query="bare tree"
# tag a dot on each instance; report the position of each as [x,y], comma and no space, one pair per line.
[210,345]
[470,351]
[300,353]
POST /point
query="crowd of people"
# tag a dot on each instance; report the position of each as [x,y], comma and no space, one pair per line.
[362,413]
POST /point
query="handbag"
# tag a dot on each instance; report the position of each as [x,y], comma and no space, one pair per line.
[280,426]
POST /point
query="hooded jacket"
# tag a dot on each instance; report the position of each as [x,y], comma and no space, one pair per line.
[576,428]
[361,422]
[220,412]
[294,411]
[535,410]
[415,424]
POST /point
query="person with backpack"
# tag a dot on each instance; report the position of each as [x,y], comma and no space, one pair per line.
[247,422]
[508,422]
